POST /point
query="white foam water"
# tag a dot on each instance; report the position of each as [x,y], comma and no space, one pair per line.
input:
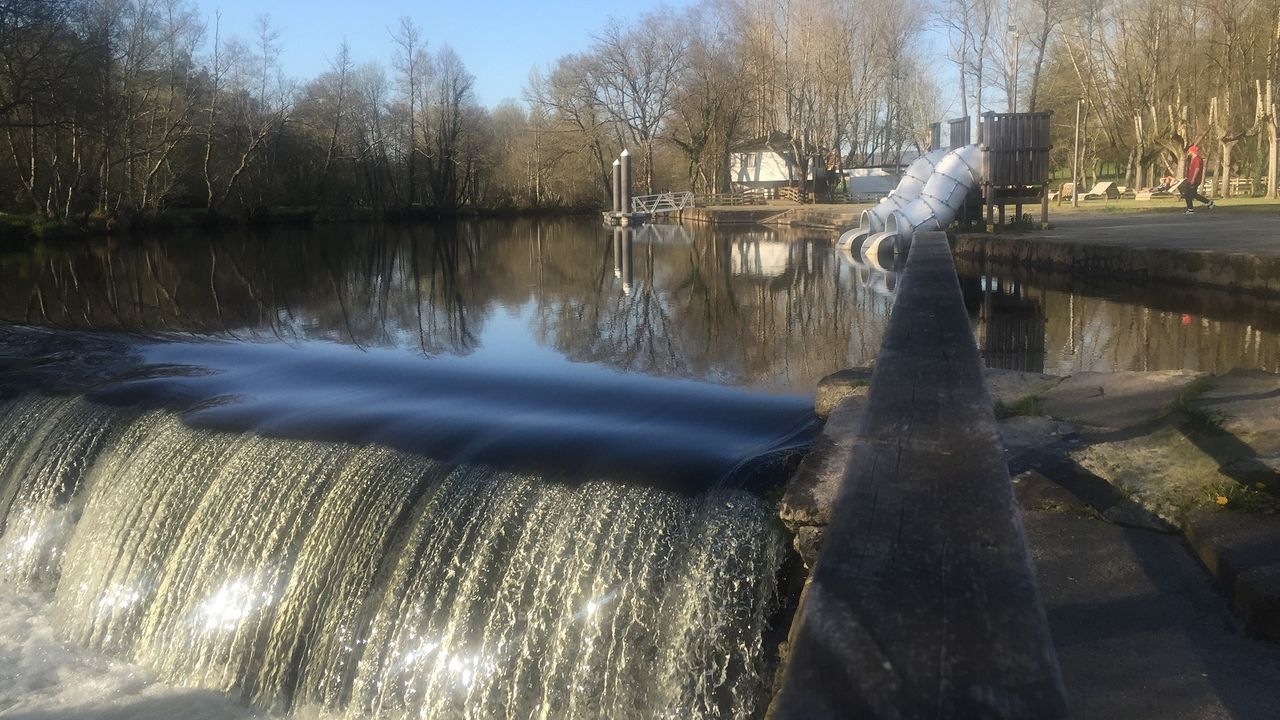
[43,676]
[159,566]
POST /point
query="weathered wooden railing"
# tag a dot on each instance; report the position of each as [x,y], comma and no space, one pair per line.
[748,197]
[922,603]
[796,195]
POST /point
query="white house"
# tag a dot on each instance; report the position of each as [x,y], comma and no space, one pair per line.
[766,162]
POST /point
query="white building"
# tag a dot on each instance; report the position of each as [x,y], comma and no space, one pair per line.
[767,162]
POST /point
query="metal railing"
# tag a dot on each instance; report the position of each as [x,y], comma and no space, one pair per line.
[661,203]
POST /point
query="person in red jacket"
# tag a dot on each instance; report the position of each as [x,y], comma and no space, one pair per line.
[1194,176]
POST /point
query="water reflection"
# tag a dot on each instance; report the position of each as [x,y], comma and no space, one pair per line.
[870,271]
[1060,324]
[762,307]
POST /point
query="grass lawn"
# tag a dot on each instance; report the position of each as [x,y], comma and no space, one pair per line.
[1235,204]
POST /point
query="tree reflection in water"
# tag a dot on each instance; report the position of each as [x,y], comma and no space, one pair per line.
[774,308]
[771,308]
[1060,324]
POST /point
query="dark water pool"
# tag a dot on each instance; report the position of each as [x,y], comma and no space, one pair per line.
[1062,324]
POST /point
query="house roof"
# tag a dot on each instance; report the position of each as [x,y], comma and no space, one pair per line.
[776,141]
[892,159]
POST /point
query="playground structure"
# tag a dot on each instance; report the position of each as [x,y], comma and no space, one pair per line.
[1010,162]
[1015,164]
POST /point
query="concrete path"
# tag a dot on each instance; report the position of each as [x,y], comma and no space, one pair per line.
[1253,230]
[1140,630]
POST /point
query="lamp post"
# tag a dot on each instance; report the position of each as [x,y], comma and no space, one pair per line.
[1013,86]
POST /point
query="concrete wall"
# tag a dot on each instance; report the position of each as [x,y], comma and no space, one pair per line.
[1238,271]
[922,602]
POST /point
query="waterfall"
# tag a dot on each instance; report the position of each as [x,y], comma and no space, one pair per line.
[328,579]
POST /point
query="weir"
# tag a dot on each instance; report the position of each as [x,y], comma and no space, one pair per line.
[225,516]
[923,603]
[361,581]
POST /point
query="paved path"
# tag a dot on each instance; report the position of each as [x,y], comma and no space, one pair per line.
[1253,230]
[1140,630]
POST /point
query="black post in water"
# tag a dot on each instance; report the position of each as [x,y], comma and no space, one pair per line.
[617,187]
[627,235]
[617,247]
[625,195]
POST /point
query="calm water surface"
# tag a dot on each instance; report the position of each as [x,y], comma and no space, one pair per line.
[767,309]
[1058,324]
[554,304]
[671,353]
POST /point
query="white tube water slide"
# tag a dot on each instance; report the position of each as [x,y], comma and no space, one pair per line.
[927,198]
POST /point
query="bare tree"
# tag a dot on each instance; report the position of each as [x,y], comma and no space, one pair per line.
[634,74]
[411,62]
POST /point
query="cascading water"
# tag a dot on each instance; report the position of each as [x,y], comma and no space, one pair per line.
[329,579]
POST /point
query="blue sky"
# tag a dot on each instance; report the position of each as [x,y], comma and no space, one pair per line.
[498,41]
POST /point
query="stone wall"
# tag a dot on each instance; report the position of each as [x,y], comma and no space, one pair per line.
[1237,271]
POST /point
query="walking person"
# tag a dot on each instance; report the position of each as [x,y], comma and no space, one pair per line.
[1194,176]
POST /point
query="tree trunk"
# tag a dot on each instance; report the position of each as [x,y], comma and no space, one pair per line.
[1271,154]
[1224,170]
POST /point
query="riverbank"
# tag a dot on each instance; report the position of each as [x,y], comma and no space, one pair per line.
[1235,271]
[836,217]
[1236,247]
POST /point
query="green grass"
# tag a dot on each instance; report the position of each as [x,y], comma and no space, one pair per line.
[1241,498]
[1165,204]
[1029,405]
[1193,418]
[16,227]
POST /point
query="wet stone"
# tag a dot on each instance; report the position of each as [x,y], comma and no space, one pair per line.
[1023,432]
[808,542]
[1035,492]
[837,386]
[812,491]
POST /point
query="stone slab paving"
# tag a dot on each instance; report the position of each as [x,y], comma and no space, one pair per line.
[1218,230]
[1237,250]
[1141,631]
[1173,451]
[1117,400]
